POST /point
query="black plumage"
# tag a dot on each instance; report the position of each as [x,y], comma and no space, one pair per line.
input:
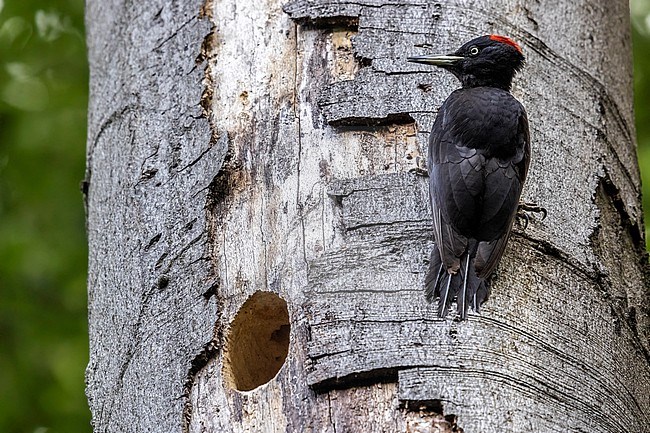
[479,152]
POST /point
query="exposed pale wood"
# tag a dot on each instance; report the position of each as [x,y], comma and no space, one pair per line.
[283,162]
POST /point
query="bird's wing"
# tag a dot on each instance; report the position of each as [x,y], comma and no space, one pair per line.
[450,243]
[475,193]
[454,185]
[503,185]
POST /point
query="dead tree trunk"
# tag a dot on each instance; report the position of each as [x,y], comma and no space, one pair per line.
[249,195]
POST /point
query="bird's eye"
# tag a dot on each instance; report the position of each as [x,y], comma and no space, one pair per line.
[473,51]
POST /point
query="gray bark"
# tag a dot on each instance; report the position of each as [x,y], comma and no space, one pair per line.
[240,148]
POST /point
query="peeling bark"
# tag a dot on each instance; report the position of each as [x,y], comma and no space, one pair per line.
[236,149]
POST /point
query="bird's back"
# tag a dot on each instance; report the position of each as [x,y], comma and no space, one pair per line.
[478,159]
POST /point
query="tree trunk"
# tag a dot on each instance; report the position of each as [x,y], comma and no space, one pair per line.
[249,193]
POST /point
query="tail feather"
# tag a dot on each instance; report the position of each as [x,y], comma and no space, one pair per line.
[464,286]
[444,292]
[462,297]
[434,276]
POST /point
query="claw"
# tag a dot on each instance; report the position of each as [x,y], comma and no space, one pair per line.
[524,210]
[532,207]
[523,216]
[419,171]
[420,167]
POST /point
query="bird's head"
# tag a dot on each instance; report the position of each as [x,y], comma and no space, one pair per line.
[489,60]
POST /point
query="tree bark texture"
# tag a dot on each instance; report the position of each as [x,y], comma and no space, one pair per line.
[239,148]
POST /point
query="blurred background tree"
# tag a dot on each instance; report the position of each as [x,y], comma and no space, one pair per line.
[641,39]
[43,95]
[43,330]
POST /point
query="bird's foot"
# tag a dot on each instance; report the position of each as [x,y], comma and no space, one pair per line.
[420,168]
[525,209]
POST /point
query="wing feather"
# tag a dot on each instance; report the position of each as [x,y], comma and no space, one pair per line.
[502,201]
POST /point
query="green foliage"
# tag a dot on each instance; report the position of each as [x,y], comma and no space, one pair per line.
[43,95]
[641,40]
[43,331]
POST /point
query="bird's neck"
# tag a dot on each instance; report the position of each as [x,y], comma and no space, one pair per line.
[500,82]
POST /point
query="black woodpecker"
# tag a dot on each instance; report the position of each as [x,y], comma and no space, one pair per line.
[479,152]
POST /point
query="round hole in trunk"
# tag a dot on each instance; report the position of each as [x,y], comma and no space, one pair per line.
[258,342]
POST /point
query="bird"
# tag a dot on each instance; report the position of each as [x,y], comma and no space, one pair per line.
[478,158]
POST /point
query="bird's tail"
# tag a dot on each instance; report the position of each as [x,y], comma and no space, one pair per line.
[464,286]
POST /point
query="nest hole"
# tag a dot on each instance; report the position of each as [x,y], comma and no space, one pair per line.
[258,342]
